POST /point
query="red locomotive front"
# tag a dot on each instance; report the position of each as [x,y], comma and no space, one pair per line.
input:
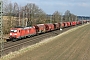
[14,33]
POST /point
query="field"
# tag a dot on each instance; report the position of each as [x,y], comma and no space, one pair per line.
[74,45]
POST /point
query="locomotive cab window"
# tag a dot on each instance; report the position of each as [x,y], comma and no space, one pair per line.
[13,31]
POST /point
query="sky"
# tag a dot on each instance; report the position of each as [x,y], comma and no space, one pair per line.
[77,7]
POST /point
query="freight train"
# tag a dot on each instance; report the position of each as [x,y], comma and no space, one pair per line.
[23,32]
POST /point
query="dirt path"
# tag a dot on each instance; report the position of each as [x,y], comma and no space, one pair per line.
[72,46]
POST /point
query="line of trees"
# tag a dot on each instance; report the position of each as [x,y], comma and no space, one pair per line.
[31,14]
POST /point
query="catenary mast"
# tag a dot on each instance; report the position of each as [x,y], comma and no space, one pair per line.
[1,30]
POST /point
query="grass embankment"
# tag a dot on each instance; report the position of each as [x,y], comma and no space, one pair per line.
[71,45]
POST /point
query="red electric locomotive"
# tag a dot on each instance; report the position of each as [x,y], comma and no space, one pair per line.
[18,33]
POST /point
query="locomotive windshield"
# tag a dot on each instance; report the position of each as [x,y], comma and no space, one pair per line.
[13,31]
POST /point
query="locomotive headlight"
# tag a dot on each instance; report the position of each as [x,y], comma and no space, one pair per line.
[15,34]
[10,33]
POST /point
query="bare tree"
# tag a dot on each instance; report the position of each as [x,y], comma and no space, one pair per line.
[16,14]
[67,16]
[7,11]
[35,14]
[73,17]
[56,17]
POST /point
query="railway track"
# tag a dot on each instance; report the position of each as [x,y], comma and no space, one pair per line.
[15,46]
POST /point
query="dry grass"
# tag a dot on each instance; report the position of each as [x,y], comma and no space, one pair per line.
[68,45]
